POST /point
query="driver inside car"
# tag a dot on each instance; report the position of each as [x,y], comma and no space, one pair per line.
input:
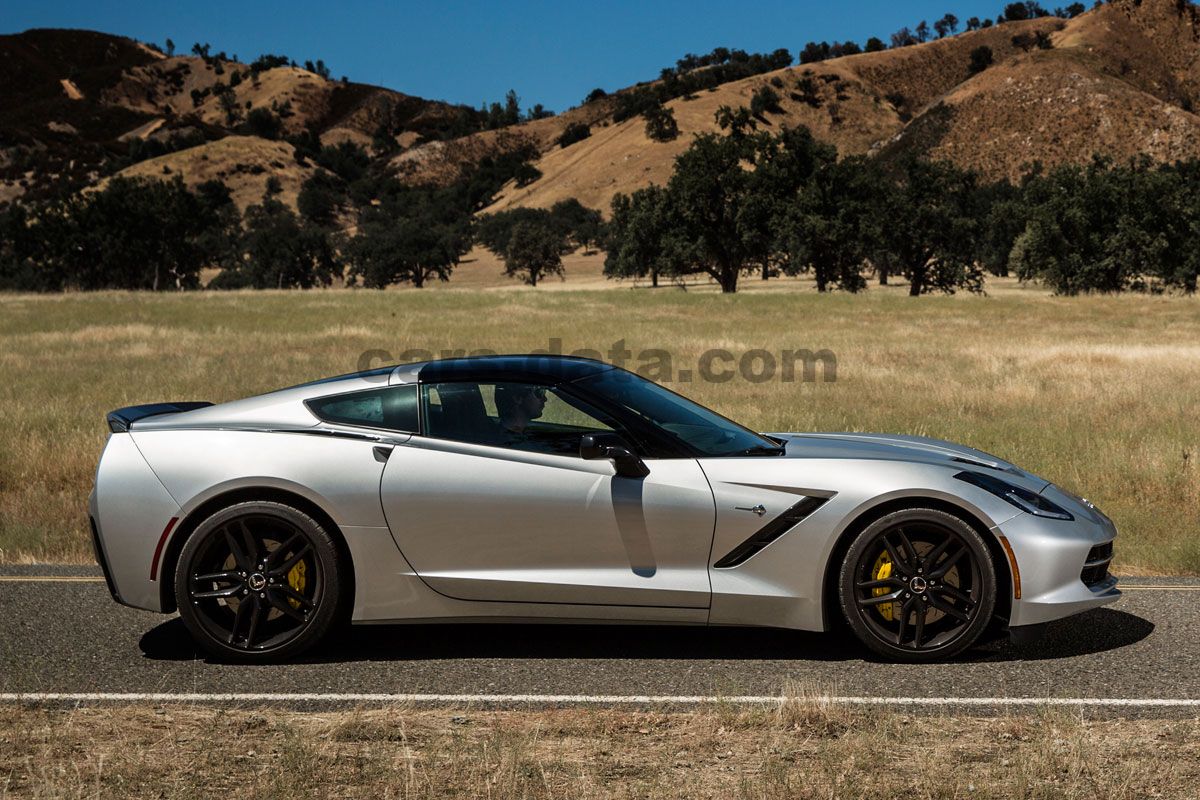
[518,405]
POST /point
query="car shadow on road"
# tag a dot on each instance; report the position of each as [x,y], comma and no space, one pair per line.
[1092,632]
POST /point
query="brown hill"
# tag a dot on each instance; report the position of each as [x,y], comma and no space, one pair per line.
[1049,109]
[184,86]
[443,161]
[1120,81]
[52,126]
[858,103]
[75,101]
[243,163]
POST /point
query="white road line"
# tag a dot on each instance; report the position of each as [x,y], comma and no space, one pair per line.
[582,699]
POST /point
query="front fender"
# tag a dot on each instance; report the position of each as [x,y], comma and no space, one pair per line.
[784,584]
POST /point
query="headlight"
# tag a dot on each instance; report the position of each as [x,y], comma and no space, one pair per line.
[1083,501]
[1027,501]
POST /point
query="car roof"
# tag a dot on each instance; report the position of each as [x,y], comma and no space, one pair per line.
[286,406]
[543,367]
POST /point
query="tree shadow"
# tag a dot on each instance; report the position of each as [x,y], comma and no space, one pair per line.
[1092,632]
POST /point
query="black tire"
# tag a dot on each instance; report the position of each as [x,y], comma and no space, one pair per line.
[918,585]
[259,582]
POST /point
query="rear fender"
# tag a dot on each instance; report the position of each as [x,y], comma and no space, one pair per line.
[132,511]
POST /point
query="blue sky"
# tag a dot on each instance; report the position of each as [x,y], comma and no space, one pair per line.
[552,53]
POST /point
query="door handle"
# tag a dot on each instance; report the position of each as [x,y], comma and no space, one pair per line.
[382,453]
[758,509]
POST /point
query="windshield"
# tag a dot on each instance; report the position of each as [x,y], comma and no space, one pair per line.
[705,432]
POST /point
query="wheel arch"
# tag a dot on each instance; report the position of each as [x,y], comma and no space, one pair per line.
[243,494]
[1004,579]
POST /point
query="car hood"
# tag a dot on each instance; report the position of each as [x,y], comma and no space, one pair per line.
[894,447]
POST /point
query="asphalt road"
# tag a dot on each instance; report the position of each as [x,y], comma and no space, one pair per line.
[69,637]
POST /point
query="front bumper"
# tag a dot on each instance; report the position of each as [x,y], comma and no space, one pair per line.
[1053,558]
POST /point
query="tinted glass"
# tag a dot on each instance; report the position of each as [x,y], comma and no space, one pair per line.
[706,432]
[393,408]
[521,416]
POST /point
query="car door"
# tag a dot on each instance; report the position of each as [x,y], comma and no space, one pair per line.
[483,512]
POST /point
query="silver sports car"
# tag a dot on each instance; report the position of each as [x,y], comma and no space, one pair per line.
[538,488]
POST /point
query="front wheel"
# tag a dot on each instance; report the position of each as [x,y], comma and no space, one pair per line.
[918,585]
[259,581]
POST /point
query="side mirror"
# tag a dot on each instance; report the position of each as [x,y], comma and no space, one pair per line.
[595,446]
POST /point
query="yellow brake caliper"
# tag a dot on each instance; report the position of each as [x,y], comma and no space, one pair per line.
[297,581]
[881,570]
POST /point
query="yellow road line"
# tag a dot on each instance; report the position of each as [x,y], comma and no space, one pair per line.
[50,579]
[1136,588]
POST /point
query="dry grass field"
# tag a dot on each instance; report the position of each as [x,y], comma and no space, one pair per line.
[803,749]
[1096,393]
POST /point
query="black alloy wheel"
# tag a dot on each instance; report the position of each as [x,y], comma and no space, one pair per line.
[258,581]
[918,585]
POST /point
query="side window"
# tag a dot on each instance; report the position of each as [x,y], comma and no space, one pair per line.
[393,407]
[521,416]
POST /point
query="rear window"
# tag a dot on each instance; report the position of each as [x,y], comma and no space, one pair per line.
[392,407]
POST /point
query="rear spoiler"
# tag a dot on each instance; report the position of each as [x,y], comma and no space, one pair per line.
[120,420]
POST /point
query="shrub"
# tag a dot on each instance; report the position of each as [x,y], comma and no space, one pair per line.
[814,52]
[981,59]
[346,160]
[575,132]
[526,174]
[660,123]
[945,26]
[765,100]
[262,123]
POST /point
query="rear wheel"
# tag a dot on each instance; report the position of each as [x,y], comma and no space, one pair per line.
[918,585]
[259,581]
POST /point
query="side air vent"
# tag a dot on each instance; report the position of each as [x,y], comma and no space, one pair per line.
[770,532]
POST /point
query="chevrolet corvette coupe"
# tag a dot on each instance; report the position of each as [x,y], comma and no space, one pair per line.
[549,488]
